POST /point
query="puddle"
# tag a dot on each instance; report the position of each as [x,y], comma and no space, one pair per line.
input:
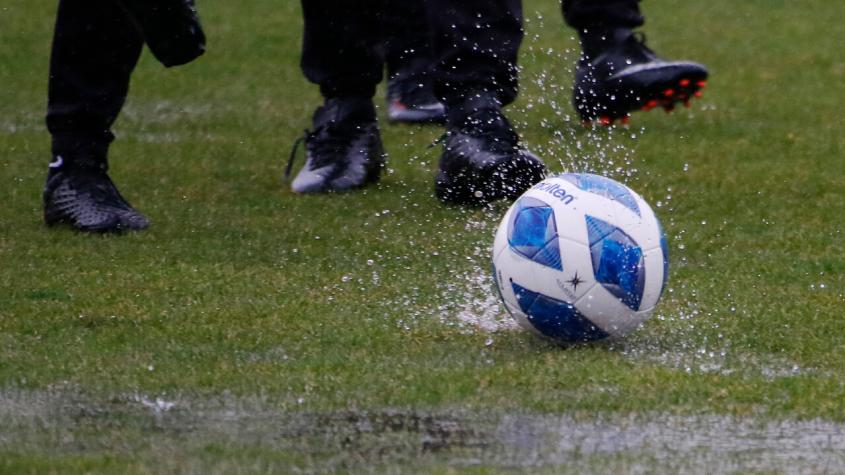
[386,440]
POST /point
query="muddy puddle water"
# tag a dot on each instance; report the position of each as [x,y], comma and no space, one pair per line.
[387,441]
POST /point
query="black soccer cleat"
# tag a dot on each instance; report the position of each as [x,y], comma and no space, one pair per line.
[483,161]
[412,100]
[87,200]
[628,76]
[344,150]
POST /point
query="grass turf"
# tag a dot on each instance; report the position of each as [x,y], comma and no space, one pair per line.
[359,301]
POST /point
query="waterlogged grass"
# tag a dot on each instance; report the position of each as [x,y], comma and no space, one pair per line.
[229,435]
[371,301]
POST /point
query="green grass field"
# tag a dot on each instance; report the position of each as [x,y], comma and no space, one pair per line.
[254,331]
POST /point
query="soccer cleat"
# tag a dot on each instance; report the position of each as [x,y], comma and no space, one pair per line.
[412,100]
[87,200]
[344,150]
[483,161]
[628,76]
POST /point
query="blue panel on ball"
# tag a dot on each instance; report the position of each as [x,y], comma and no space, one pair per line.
[549,255]
[556,318]
[618,262]
[598,229]
[532,232]
[607,188]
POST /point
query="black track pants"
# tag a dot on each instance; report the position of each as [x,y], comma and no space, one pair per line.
[580,14]
[95,49]
[96,46]
[475,43]
[407,46]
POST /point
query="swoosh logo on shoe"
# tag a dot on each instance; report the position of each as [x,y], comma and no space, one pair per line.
[651,65]
[57,162]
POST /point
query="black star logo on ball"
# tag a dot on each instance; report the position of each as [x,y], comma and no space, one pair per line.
[575,281]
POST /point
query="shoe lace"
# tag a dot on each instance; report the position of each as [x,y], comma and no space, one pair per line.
[636,46]
[293,150]
[326,142]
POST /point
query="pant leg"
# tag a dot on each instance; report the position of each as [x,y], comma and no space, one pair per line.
[476,44]
[95,49]
[581,14]
[407,47]
[340,45]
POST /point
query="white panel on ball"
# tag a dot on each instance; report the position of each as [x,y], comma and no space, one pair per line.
[580,257]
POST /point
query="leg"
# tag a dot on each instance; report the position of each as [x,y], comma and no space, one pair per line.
[583,14]
[95,49]
[339,54]
[617,73]
[339,49]
[410,63]
[408,37]
[477,42]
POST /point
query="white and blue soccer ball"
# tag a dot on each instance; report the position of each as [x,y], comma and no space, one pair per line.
[580,257]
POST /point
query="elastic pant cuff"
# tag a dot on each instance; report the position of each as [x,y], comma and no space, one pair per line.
[343,89]
[78,152]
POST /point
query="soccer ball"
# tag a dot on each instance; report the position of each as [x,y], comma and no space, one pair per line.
[580,257]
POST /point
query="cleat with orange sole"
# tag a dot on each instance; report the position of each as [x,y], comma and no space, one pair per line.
[630,77]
